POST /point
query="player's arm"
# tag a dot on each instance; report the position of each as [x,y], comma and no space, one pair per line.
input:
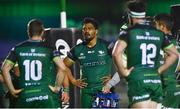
[16,70]
[77,82]
[65,93]
[178,69]
[1,77]
[61,71]
[112,82]
[172,55]
[7,66]
[118,58]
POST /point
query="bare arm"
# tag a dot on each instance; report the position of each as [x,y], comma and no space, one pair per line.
[77,82]
[118,59]
[7,78]
[68,62]
[1,78]
[65,93]
[172,55]
[61,71]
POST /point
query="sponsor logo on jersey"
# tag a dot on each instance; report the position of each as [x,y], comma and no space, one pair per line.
[37,98]
[32,84]
[152,81]
[147,33]
[95,63]
[140,97]
[32,54]
[176,93]
[89,52]
[139,37]
[81,56]
[101,53]
[32,50]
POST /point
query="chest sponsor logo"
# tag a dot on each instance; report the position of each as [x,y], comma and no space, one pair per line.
[89,52]
[94,63]
[81,56]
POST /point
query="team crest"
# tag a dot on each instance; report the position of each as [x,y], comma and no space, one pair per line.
[32,50]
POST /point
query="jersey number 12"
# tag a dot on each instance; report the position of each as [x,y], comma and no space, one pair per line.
[147,57]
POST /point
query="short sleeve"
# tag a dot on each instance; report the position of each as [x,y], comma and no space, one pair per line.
[123,35]
[110,48]
[71,54]
[56,53]
[12,55]
[166,43]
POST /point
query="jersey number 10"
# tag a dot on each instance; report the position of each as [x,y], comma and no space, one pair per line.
[33,70]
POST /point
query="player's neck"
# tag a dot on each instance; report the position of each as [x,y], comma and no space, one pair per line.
[92,43]
[38,38]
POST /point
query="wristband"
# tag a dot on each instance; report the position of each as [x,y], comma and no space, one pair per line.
[66,89]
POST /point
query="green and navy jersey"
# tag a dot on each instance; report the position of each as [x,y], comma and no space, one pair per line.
[169,76]
[143,46]
[35,61]
[95,62]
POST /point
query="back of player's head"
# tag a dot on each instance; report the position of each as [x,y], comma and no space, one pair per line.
[137,8]
[35,27]
[92,21]
[165,20]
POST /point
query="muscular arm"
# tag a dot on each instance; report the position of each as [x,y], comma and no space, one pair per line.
[68,62]
[61,71]
[1,78]
[7,78]
[65,93]
[118,59]
[77,82]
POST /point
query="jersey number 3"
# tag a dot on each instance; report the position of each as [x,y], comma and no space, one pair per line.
[148,56]
[33,70]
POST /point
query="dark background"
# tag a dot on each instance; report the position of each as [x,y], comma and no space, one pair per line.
[15,14]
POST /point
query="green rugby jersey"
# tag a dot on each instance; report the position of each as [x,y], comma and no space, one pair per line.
[95,62]
[35,61]
[143,46]
[169,76]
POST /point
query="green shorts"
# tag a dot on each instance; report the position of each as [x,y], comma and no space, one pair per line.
[171,97]
[142,90]
[87,96]
[44,99]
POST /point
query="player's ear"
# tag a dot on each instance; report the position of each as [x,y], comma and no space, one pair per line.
[96,31]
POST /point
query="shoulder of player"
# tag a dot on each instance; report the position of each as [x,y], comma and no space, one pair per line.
[103,41]
[147,27]
[33,44]
[106,43]
[78,46]
[19,45]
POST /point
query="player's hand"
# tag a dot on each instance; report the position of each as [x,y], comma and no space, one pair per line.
[15,92]
[106,89]
[65,97]
[105,79]
[80,83]
[128,71]
[54,89]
